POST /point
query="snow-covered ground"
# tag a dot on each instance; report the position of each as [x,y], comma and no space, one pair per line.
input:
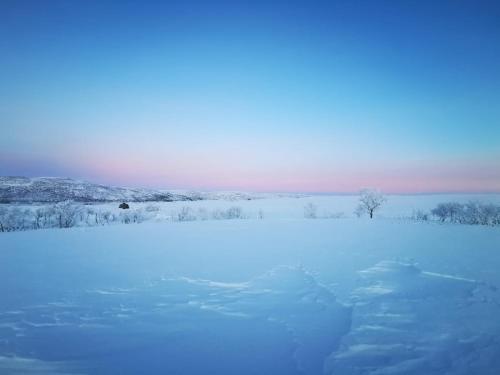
[397,206]
[277,295]
[273,206]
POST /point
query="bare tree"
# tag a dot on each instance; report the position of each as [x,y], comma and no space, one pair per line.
[370,200]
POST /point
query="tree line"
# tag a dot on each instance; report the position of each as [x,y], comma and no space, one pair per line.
[69,214]
[474,213]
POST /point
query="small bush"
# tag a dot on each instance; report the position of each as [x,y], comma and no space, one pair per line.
[310,211]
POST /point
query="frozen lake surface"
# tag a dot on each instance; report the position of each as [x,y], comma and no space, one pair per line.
[282,295]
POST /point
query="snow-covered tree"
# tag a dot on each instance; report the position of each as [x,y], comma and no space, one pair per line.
[469,213]
[370,200]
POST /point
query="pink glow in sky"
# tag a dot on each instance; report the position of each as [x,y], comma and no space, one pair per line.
[215,173]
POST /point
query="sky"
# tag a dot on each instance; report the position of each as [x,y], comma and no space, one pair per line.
[299,96]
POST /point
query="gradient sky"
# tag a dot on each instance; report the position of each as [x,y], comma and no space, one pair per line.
[304,96]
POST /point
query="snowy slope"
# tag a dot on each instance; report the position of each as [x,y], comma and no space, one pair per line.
[277,297]
[409,321]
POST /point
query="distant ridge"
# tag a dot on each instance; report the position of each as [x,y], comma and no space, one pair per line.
[14,189]
[57,189]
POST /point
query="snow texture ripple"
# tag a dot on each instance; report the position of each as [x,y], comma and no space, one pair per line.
[402,320]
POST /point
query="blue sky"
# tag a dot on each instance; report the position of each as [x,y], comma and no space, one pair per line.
[289,96]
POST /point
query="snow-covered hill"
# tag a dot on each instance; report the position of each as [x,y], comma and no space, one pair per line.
[55,189]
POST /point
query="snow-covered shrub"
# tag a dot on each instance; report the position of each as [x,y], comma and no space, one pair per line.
[229,214]
[474,213]
[359,211]
[125,217]
[440,211]
[90,216]
[138,216]
[66,213]
[478,213]
[15,218]
[185,214]
[45,217]
[107,217]
[419,215]
[3,219]
[9,219]
[453,212]
[490,214]
[63,215]
[49,217]
[310,211]
[234,213]
[26,220]
[38,215]
[152,208]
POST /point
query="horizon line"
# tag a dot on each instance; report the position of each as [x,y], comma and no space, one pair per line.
[201,189]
